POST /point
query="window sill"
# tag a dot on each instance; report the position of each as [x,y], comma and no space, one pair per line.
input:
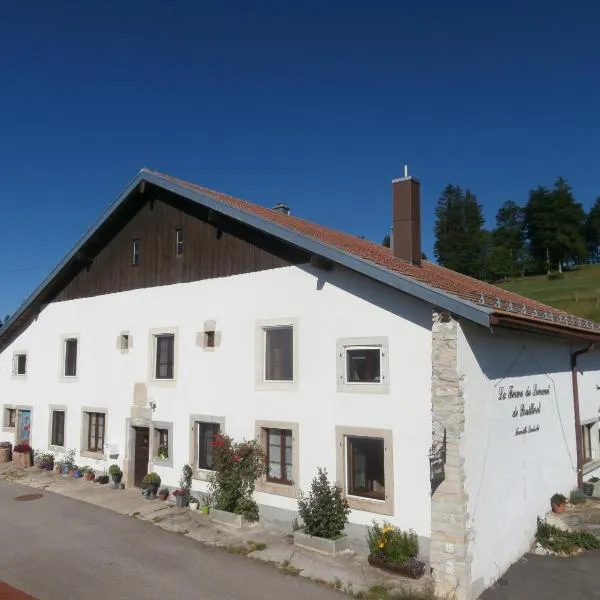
[278,489]
[69,378]
[363,388]
[381,507]
[588,467]
[53,448]
[19,377]
[8,429]
[162,462]
[277,386]
[93,455]
[202,474]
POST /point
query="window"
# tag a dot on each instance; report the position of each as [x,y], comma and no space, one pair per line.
[135,252]
[205,433]
[124,341]
[279,456]
[179,242]
[96,425]
[10,418]
[365,467]
[20,364]
[279,353]
[362,365]
[70,357]
[586,440]
[209,339]
[165,356]
[162,451]
[57,434]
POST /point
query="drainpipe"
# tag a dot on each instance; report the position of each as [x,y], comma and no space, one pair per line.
[578,438]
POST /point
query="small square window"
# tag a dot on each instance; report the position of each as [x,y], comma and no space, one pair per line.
[20,364]
[209,339]
[179,242]
[70,357]
[205,434]
[57,435]
[135,252]
[365,467]
[279,353]
[162,451]
[10,417]
[363,365]
[164,356]
[124,341]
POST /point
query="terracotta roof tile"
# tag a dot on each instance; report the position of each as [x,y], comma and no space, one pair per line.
[502,302]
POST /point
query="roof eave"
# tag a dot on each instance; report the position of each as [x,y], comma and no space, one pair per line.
[554,329]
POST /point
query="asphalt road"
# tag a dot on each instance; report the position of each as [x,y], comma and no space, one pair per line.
[57,548]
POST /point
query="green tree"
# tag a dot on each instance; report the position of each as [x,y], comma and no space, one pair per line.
[507,255]
[592,231]
[460,242]
[554,226]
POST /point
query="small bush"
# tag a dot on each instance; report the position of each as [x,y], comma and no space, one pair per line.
[558,499]
[151,479]
[564,542]
[391,543]
[115,470]
[576,497]
[248,508]
[555,276]
[325,510]
[22,448]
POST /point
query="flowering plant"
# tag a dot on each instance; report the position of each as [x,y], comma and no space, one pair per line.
[391,544]
[236,467]
[23,448]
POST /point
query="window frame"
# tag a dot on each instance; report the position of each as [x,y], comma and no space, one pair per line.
[586,433]
[7,410]
[65,344]
[86,412]
[262,383]
[135,252]
[385,506]
[179,242]
[51,445]
[355,343]
[202,474]
[152,355]
[264,483]
[170,356]
[17,354]
[157,427]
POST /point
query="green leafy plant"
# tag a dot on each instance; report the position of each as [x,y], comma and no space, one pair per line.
[391,543]
[576,497]
[564,542]
[163,452]
[151,479]
[185,482]
[325,510]
[114,470]
[237,466]
[558,499]
[68,459]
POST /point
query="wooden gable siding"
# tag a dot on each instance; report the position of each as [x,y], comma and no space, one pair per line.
[214,246]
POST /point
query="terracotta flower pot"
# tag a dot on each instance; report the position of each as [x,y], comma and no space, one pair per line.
[558,508]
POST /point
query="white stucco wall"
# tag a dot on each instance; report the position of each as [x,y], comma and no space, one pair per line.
[326,305]
[510,478]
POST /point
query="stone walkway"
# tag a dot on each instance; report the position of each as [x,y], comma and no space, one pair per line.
[349,572]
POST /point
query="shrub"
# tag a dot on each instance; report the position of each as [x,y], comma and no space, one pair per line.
[391,543]
[555,276]
[22,448]
[44,459]
[564,542]
[151,479]
[558,499]
[68,460]
[163,491]
[115,470]
[185,483]
[237,466]
[576,497]
[102,479]
[324,511]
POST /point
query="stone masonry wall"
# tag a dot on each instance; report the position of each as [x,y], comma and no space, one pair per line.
[449,553]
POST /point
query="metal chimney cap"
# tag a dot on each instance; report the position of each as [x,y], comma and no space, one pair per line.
[282,208]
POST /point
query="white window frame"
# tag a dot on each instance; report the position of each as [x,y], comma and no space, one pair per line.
[195,420]
[153,348]
[15,370]
[154,443]
[383,507]
[85,424]
[52,409]
[261,348]
[355,343]
[5,409]
[63,364]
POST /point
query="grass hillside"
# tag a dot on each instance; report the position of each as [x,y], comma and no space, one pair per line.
[578,292]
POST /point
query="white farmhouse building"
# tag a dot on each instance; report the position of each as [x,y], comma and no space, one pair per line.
[184,311]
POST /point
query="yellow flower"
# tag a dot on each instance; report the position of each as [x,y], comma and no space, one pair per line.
[381,545]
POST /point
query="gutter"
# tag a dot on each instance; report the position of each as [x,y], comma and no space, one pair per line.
[578,437]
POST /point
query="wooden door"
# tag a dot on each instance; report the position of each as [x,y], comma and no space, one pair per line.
[23,426]
[141,455]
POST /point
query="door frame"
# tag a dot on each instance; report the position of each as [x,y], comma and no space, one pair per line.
[129,462]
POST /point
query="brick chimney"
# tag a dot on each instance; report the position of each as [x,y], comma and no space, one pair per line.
[406,214]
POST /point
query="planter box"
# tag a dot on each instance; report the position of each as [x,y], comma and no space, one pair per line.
[5,455]
[319,544]
[21,459]
[413,568]
[227,518]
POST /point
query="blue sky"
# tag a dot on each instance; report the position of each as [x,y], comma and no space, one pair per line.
[318,104]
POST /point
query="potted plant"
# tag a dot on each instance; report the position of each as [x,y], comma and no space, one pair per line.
[21,455]
[44,460]
[558,503]
[394,550]
[236,468]
[181,498]
[151,483]
[115,475]
[88,473]
[102,479]
[77,472]
[163,493]
[182,495]
[163,452]
[5,452]
[324,512]
[58,467]
[194,503]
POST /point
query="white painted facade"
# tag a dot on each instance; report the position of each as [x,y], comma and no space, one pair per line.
[325,308]
[515,461]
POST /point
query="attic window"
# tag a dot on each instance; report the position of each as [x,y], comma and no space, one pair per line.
[135,252]
[124,341]
[179,242]
[209,339]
